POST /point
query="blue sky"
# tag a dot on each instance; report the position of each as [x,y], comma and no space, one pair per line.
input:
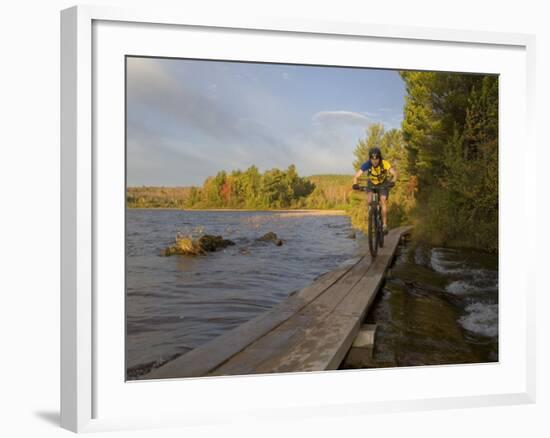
[188,119]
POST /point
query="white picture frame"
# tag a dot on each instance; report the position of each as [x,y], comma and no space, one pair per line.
[85,377]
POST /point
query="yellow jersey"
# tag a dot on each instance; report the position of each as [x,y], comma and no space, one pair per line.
[376,175]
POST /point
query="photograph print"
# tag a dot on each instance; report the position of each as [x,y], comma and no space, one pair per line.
[285,218]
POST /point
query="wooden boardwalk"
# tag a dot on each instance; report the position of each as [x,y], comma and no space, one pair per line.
[312,330]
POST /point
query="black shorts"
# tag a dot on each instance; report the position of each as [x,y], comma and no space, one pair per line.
[383,189]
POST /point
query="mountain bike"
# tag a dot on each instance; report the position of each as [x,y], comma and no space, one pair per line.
[375,224]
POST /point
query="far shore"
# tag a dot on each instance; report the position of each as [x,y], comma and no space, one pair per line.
[283,212]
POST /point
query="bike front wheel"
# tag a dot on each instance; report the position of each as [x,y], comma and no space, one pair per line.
[373,232]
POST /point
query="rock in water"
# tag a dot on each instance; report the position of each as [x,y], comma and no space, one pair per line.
[200,246]
[268,237]
[271,237]
[213,243]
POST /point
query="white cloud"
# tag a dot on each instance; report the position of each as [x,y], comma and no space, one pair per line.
[369,114]
[341,117]
[320,149]
[316,156]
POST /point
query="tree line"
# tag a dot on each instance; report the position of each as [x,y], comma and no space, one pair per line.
[450,131]
[249,189]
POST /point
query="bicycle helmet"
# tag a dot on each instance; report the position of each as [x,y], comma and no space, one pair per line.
[375,152]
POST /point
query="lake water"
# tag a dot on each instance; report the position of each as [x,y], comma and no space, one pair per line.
[177,303]
[437,305]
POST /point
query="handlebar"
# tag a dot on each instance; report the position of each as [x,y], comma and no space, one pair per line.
[359,188]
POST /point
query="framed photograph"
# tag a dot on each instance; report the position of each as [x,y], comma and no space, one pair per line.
[220,257]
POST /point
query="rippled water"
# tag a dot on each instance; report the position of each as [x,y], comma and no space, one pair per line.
[437,306]
[473,277]
[174,304]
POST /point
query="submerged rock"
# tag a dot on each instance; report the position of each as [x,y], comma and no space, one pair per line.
[270,237]
[267,237]
[202,245]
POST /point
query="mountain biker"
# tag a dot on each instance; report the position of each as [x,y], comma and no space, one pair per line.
[379,173]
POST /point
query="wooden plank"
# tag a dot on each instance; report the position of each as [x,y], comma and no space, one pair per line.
[317,338]
[361,351]
[321,334]
[292,330]
[273,344]
[332,296]
[361,297]
[201,360]
[319,348]
[365,337]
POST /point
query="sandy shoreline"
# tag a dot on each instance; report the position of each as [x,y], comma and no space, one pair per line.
[310,212]
[295,212]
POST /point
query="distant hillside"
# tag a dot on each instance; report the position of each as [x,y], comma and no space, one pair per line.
[331,179]
[157,197]
[331,191]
